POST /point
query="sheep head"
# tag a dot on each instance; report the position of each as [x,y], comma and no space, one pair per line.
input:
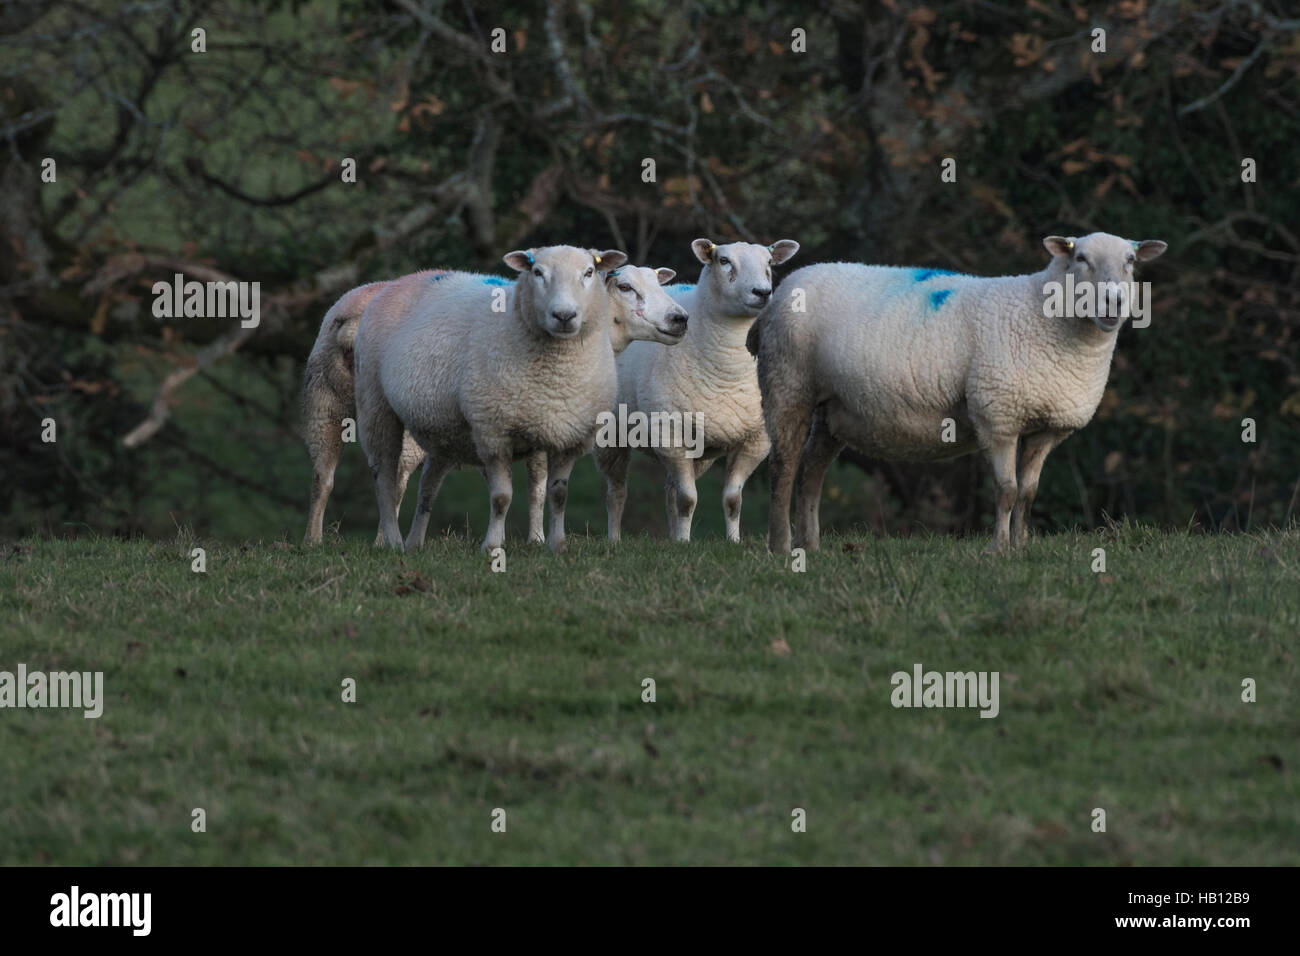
[641,310]
[560,291]
[1107,262]
[738,275]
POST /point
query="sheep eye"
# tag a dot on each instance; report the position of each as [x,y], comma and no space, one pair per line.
[1080,258]
[538,273]
[587,274]
[724,262]
[624,288]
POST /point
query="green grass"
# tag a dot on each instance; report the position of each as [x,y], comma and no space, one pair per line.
[522,691]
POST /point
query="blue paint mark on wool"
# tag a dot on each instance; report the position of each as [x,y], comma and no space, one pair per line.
[938,296]
[496,280]
[920,275]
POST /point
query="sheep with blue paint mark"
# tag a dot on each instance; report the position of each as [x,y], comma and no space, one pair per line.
[880,358]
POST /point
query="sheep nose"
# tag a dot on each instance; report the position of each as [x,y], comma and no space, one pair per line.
[564,318]
[761,293]
[678,319]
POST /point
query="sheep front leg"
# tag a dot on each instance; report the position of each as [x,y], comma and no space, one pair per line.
[558,491]
[500,491]
[537,496]
[430,481]
[1001,452]
[681,497]
[1032,456]
[740,465]
[818,452]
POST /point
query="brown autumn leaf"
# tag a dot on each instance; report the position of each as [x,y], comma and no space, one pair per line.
[409,582]
[780,647]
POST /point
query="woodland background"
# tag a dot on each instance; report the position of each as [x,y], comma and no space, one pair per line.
[226,164]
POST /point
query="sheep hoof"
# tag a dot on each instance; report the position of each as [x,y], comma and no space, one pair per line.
[559,546]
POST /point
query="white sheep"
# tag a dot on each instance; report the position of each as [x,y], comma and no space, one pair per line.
[638,311]
[329,396]
[921,364]
[708,374]
[474,384]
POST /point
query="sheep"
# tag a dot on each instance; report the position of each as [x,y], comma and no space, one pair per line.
[639,310]
[710,374]
[879,358]
[474,384]
[328,397]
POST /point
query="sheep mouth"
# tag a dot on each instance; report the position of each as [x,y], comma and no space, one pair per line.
[675,335]
[1106,325]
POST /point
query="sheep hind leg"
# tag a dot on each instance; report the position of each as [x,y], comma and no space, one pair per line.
[787,427]
[537,470]
[1001,452]
[430,482]
[818,452]
[1032,456]
[381,436]
[325,444]
[412,458]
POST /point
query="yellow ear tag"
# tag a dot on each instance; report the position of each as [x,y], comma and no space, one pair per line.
[597,260]
[1069,245]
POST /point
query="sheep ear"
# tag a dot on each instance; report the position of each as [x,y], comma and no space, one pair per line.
[1059,245]
[607,259]
[665,276]
[703,249]
[783,250]
[1149,249]
[519,260]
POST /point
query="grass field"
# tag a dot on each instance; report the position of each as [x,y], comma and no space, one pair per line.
[522,690]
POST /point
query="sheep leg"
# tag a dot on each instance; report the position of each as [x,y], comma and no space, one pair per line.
[430,481]
[1001,451]
[412,456]
[558,492]
[500,491]
[787,428]
[325,443]
[818,452]
[740,465]
[1032,456]
[613,464]
[381,436]
[681,497]
[536,496]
